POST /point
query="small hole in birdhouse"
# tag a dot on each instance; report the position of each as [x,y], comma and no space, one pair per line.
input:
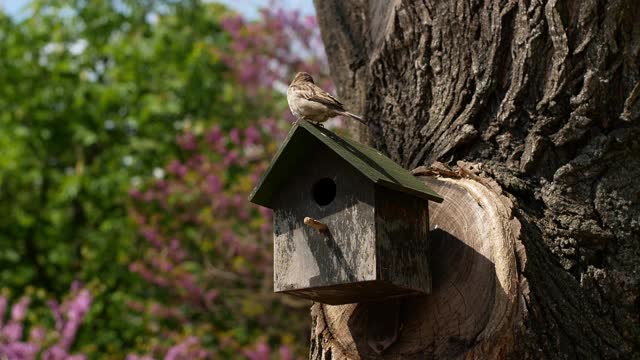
[324,191]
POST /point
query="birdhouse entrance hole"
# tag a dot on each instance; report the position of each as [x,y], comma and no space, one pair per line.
[324,191]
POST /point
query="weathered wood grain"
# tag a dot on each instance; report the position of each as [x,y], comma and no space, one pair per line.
[545,95]
[402,241]
[475,296]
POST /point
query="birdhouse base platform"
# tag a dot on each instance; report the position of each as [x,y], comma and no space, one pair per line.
[364,291]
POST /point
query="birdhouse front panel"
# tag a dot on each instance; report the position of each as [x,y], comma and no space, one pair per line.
[327,189]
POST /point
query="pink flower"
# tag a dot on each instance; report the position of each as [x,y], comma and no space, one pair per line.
[211,295]
[148,196]
[37,334]
[240,45]
[12,331]
[250,250]
[76,285]
[12,348]
[57,314]
[228,238]
[269,125]
[177,254]
[234,136]
[177,168]
[214,135]
[232,24]
[187,141]
[222,203]
[238,200]
[161,263]
[248,75]
[243,214]
[254,178]
[187,349]
[261,352]
[18,351]
[195,161]
[187,282]
[55,352]
[231,158]
[136,357]
[152,236]
[134,192]
[310,21]
[285,353]
[146,274]
[161,184]
[19,309]
[79,305]
[214,185]
[76,309]
[76,357]
[252,135]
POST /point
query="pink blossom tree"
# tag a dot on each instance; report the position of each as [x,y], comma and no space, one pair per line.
[204,250]
[43,341]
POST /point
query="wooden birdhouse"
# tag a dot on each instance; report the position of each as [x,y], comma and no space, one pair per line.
[350,225]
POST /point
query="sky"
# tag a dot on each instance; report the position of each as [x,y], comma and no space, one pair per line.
[248,7]
[305,6]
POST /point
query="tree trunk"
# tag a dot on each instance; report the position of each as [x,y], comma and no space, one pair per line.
[524,115]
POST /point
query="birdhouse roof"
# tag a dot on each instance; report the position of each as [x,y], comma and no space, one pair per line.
[370,162]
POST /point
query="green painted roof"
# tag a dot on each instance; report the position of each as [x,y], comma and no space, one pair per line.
[304,136]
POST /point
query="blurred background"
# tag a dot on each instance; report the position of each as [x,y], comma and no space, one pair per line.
[131,132]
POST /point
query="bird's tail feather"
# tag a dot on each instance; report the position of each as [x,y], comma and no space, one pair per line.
[354,116]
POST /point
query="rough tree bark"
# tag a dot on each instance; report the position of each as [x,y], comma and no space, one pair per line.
[525,117]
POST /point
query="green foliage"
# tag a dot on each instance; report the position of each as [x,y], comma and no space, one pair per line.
[173,103]
[91,93]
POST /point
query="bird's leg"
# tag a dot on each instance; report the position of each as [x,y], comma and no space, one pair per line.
[313,122]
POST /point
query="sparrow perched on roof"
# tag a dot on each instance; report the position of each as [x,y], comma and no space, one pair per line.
[309,102]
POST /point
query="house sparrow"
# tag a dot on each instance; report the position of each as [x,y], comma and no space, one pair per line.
[309,102]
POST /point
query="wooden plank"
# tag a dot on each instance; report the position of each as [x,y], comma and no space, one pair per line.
[402,228]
